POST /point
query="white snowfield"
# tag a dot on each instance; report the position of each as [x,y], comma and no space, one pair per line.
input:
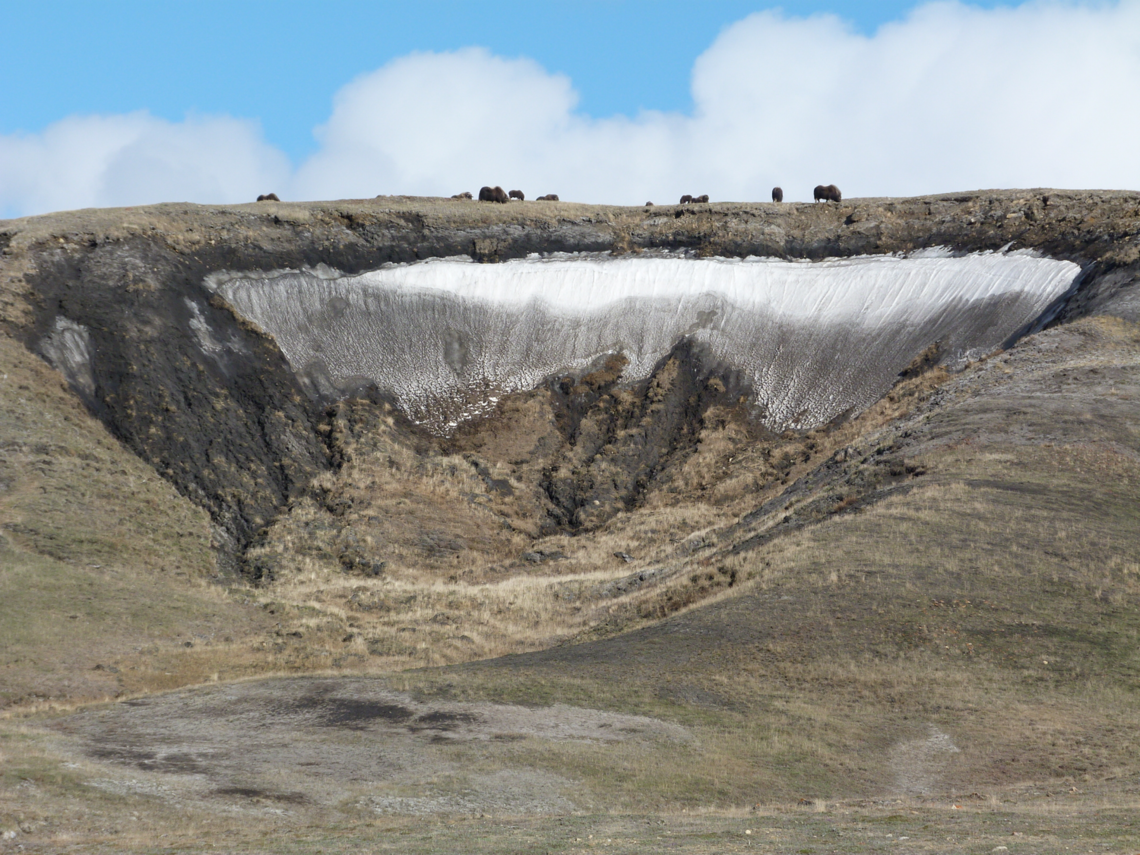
[447,337]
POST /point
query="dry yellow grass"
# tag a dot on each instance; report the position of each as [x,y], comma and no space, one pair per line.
[452,585]
[916,574]
[417,552]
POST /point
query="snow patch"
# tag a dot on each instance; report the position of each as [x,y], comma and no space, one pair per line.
[68,349]
[813,339]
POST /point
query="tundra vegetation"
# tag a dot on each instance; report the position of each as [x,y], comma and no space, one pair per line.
[917,627]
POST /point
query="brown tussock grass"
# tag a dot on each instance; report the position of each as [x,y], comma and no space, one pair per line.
[454,585]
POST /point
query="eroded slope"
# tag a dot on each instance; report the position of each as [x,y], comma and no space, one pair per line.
[211,404]
[937,600]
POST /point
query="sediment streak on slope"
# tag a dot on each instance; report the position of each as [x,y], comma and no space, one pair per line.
[814,339]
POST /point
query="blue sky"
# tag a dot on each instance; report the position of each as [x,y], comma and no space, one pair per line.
[282,60]
[268,80]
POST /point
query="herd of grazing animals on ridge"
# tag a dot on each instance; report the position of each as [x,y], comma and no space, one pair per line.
[823,193]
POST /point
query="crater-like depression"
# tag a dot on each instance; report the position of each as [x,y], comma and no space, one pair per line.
[811,340]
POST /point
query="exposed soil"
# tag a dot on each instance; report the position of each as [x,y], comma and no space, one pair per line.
[218,413]
[322,742]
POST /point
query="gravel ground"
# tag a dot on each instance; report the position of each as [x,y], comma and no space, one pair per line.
[287,744]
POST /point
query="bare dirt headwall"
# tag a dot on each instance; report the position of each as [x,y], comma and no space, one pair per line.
[116,298]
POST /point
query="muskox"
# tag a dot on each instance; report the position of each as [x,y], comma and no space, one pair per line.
[549,197]
[648,204]
[830,193]
[466,194]
[704,198]
[686,199]
[268,197]
[777,194]
[493,194]
[517,194]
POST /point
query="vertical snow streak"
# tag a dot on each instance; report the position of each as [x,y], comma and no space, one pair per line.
[814,338]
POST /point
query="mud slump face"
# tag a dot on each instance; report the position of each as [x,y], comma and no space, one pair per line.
[809,340]
[284,744]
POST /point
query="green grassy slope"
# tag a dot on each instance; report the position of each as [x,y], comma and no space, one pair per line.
[101,561]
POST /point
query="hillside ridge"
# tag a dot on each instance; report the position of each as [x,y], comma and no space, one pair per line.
[608,608]
[238,435]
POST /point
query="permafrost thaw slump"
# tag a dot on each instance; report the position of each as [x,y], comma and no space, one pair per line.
[814,339]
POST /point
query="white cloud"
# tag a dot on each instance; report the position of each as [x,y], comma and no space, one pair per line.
[136,159]
[950,98]
[436,121]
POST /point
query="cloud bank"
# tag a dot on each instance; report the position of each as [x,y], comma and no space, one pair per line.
[950,98]
[136,159]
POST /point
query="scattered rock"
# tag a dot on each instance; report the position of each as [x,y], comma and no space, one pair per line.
[541,555]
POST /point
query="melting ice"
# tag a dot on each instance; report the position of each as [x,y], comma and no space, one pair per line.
[814,339]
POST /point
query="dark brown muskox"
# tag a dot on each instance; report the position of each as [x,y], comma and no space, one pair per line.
[704,198]
[517,194]
[493,194]
[466,194]
[830,193]
[777,194]
[549,197]
[686,199]
[648,204]
[268,197]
